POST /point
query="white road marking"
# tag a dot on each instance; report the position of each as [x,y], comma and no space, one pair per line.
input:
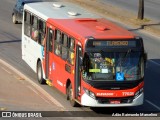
[153,104]
[154,62]
[148,100]
[37,93]
[32,89]
[6,70]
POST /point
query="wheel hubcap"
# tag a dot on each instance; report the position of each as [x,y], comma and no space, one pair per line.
[71,94]
[39,74]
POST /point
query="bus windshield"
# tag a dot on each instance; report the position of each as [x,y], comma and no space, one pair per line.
[113,66]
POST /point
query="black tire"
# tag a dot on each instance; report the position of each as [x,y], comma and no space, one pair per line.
[14,20]
[40,73]
[70,96]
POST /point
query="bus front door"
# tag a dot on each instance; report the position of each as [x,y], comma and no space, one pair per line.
[49,50]
[77,83]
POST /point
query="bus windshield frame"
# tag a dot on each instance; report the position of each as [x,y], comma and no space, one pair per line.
[113,63]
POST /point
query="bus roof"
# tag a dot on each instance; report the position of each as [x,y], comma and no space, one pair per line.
[88,27]
[76,21]
[58,10]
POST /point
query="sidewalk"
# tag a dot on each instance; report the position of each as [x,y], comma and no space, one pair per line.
[126,17]
[17,94]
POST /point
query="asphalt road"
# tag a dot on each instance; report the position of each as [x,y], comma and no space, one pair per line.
[151,7]
[10,51]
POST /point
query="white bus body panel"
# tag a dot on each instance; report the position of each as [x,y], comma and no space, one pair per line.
[31,52]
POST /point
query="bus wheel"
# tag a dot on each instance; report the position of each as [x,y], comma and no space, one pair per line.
[70,96]
[14,19]
[40,73]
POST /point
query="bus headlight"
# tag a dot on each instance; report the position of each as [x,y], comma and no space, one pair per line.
[91,94]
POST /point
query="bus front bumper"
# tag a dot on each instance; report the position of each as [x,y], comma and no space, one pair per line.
[86,100]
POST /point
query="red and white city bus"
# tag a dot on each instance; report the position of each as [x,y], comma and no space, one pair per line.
[91,60]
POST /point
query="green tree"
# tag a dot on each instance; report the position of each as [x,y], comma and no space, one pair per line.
[141,10]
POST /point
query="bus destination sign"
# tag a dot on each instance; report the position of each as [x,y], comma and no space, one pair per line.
[113,44]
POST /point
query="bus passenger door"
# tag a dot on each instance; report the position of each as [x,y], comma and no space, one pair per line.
[77,76]
[49,50]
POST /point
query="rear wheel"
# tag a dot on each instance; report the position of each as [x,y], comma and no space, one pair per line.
[40,73]
[70,96]
[14,20]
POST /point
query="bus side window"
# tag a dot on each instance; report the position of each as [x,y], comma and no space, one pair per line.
[71,46]
[58,46]
[64,46]
[57,49]
[27,24]
[71,57]
[58,36]
[42,32]
[35,31]
[71,43]
[51,34]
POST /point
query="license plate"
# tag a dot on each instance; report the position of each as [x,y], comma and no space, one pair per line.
[115,101]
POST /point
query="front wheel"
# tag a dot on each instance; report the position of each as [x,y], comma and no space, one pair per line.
[70,96]
[40,73]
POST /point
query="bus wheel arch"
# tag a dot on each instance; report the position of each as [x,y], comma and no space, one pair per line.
[67,85]
[40,72]
[69,92]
